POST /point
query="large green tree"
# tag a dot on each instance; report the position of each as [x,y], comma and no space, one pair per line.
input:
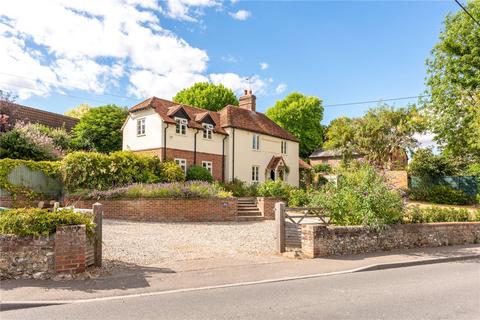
[79,111]
[340,135]
[301,116]
[100,129]
[207,96]
[454,82]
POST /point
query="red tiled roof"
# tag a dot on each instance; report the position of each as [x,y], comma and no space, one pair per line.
[273,164]
[18,112]
[236,117]
[303,165]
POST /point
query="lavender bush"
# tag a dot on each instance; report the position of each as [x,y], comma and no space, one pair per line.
[190,189]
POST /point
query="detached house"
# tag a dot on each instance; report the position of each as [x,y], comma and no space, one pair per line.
[235,142]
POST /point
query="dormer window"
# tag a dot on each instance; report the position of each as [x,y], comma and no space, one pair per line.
[207,131]
[181,126]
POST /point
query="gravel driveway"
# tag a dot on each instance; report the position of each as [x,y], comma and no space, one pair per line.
[146,243]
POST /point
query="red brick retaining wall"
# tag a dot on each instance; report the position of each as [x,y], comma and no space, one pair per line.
[21,202]
[319,240]
[266,205]
[165,209]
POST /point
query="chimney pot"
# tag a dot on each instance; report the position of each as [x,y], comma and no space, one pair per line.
[250,92]
[245,92]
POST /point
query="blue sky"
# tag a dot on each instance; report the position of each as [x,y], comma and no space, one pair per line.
[340,51]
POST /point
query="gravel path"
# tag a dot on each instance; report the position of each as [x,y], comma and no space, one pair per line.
[146,243]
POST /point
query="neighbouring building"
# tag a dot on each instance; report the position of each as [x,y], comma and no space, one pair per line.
[235,142]
[10,113]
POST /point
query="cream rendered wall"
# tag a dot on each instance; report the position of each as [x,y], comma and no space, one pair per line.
[246,157]
[186,142]
[153,131]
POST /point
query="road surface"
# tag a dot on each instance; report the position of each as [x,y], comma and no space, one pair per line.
[437,291]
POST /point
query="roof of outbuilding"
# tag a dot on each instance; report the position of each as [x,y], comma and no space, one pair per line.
[228,117]
[321,153]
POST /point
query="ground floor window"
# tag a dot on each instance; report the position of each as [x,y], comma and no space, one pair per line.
[182,163]
[255,171]
[207,165]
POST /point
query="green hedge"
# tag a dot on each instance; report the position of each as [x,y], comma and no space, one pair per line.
[41,222]
[48,168]
[441,194]
[199,173]
[277,189]
[416,214]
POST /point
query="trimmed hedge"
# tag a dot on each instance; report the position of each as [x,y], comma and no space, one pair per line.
[437,214]
[41,222]
[198,173]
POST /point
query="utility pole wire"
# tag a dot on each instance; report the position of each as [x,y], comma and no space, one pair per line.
[466,11]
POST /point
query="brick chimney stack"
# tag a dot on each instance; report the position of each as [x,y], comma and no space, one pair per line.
[248,101]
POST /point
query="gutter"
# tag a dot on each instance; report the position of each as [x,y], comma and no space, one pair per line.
[233,154]
[195,147]
[223,158]
[165,143]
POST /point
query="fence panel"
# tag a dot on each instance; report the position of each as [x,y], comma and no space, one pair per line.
[34,180]
[468,184]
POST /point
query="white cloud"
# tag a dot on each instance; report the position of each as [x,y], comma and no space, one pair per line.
[238,83]
[180,9]
[241,15]
[230,58]
[281,88]
[91,45]
[263,65]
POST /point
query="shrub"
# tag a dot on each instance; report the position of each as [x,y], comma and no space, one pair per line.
[93,170]
[198,173]
[322,168]
[171,172]
[427,165]
[41,222]
[16,145]
[416,214]
[277,189]
[240,188]
[360,197]
[299,197]
[189,189]
[440,194]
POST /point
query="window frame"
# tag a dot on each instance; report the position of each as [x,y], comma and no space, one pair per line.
[182,163]
[283,148]
[181,125]
[255,173]
[207,131]
[141,125]
[208,165]
[256,142]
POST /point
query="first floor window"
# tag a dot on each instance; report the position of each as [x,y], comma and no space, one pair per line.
[284,147]
[140,127]
[207,131]
[181,126]
[255,142]
[182,163]
[255,170]
[207,165]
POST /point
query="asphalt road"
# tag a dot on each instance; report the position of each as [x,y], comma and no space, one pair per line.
[438,291]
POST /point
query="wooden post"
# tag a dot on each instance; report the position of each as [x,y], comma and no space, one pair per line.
[98,220]
[56,205]
[280,226]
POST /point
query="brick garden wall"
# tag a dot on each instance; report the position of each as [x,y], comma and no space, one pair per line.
[267,206]
[165,209]
[66,251]
[320,241]
[21,202]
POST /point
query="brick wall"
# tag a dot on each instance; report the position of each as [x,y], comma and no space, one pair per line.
[21,202]
[319,240]
[266,205]
[166,209]
[70,249]
[216,159]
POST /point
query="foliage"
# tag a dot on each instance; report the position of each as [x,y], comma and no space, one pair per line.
[171,172]
[277,189]
[14,144]
[100,129]
[441,194]
[360,197]
[240,188]
[453,81]
[382,135]
[207,96]
[299,197]
[79,111]
[48,168]
[322,168]
[189,189]
[416,214]
[426,165]
[198,173]
[301,116]
[474,169]
[41,222]
[93,170]
[8,96]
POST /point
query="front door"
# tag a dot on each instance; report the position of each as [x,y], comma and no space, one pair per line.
[272,175]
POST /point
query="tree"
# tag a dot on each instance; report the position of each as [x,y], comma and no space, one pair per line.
[207,96]
[100,129]
[340,136]
[427,165]
[7,96]
[301,116]
[453,81]
[79,111]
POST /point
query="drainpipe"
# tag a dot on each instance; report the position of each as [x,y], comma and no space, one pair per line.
[165,143]
[233,153]
[223,158]
[195,147]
